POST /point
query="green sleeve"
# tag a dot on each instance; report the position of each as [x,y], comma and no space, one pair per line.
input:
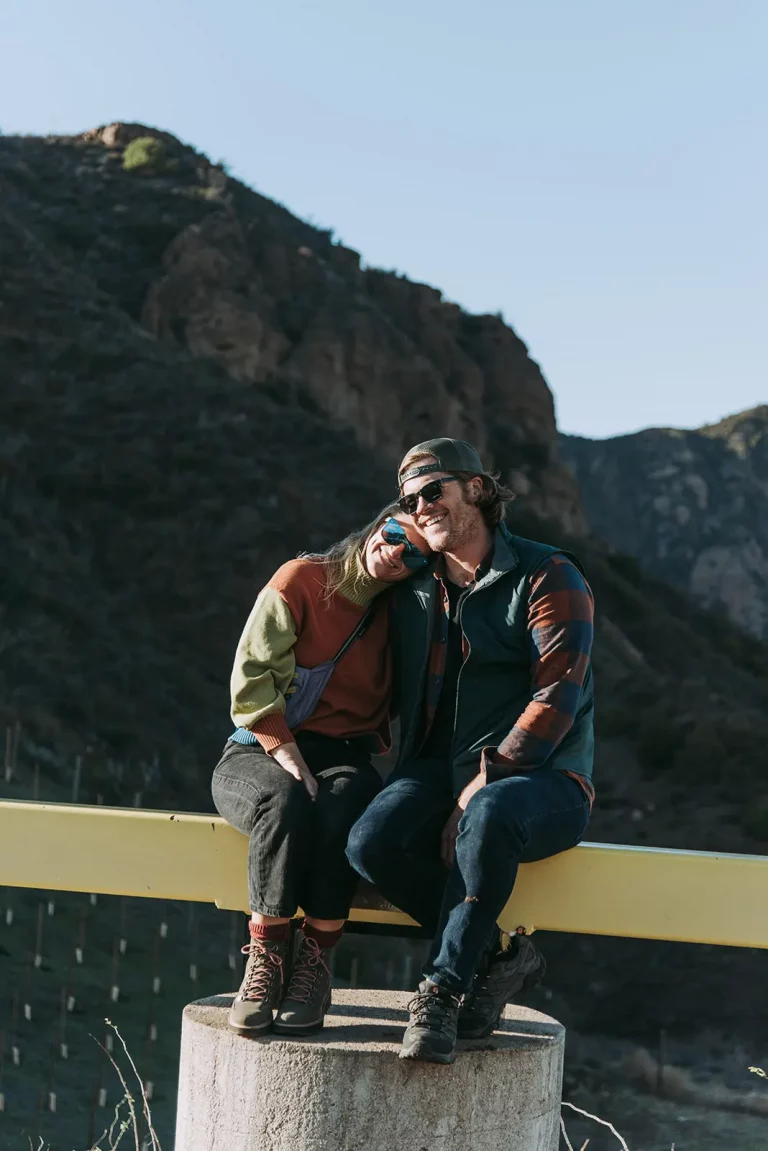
[264,668]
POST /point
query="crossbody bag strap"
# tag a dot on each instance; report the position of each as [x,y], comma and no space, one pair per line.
[358,633]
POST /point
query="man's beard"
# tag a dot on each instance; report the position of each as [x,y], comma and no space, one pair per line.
[465,525]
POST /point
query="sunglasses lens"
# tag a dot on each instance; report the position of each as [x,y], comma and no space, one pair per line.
[408,504]
[392,533]
[432,492]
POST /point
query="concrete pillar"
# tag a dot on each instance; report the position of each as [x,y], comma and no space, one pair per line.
[344,1089]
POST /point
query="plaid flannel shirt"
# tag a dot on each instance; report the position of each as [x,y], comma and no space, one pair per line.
[560,633]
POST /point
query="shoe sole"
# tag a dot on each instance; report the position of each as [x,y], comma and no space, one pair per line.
[429,1058]
[303,1029]
[243,1029]
[528,982]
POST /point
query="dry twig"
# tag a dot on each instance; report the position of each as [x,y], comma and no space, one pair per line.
[128,1098]
[147,1113]
[602,1122]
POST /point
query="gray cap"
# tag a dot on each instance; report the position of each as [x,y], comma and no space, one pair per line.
[450,455]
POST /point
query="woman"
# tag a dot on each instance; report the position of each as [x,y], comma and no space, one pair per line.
[310,692]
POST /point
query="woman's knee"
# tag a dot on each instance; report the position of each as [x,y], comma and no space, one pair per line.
[235,800]
[343,796]
[288,802]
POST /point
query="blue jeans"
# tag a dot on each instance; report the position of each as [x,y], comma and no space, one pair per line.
[395,844]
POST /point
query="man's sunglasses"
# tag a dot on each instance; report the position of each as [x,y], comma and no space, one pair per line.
[393,533]
[430,493]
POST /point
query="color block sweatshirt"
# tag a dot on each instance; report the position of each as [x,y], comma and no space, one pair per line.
[293,624]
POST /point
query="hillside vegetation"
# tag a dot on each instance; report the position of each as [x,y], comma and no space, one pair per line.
[195,385]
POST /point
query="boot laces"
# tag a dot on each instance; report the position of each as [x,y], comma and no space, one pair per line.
[429,1008]
[261,971]
[310,963]
[516,960]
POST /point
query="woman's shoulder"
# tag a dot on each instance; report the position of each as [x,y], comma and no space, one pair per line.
[299,575]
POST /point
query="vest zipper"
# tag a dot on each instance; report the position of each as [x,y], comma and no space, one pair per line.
[415,719]
[465,661]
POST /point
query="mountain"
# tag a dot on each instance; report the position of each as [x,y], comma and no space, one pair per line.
[195,385]
[692,506]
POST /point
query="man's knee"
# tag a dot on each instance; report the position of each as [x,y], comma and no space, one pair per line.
[490,819]
[364,848]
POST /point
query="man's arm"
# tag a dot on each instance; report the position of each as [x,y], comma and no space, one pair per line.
[560,633]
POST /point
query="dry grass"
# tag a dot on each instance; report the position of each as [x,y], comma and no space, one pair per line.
[676,1083]
[125,1117]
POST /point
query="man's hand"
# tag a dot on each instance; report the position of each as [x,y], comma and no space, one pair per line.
[451,829]
[291,760]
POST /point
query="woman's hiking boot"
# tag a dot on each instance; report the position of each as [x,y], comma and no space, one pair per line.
[431,1031]
[262,987]
[308,995]
[501,976]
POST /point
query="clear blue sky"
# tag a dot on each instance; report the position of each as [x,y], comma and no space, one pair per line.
[595,169]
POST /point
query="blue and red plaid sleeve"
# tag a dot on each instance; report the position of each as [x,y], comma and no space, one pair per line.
[560,632]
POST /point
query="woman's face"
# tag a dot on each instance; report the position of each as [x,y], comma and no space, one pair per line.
[383,557]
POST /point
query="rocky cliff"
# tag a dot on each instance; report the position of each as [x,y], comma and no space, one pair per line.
[692,506]
[195,385]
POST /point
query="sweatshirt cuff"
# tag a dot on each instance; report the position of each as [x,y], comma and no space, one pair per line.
[495,764]
[272,730]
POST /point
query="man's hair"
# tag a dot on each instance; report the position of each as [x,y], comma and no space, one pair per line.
[493,498]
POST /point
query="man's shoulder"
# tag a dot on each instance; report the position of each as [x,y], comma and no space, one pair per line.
[560,572]
[536,556]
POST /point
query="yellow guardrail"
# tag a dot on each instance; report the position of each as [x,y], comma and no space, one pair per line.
[595,889]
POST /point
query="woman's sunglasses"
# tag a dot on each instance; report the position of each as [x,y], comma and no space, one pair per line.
[430,493]
[393,533]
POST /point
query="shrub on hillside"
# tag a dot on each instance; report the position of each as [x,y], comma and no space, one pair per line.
[754,820]
[615,721]
[703,756]
[660,741]
[146,153]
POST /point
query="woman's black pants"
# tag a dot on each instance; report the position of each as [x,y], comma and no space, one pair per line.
[296,854]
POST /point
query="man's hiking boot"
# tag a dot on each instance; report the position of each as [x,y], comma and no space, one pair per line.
[262,986]
[431,1031]
[501,976]
[308,996]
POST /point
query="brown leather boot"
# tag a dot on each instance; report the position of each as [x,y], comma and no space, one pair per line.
[262,986]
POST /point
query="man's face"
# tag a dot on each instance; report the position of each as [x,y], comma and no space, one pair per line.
[450,521]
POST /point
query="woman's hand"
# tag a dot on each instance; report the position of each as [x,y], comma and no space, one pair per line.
[291,760]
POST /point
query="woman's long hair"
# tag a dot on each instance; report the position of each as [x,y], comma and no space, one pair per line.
[341,560]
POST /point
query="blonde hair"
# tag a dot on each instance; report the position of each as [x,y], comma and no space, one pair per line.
[493,498]
[341,560]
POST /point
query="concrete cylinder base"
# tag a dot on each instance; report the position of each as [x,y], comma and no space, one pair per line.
[344,1089]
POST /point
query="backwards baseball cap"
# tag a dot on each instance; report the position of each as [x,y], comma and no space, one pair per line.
[450,456]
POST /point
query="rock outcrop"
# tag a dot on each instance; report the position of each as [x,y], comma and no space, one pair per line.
[692,506]
[196,385]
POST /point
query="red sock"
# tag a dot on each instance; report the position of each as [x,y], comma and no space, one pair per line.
[270,932]
[323,939]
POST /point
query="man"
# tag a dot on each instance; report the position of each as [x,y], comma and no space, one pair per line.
[491,648]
